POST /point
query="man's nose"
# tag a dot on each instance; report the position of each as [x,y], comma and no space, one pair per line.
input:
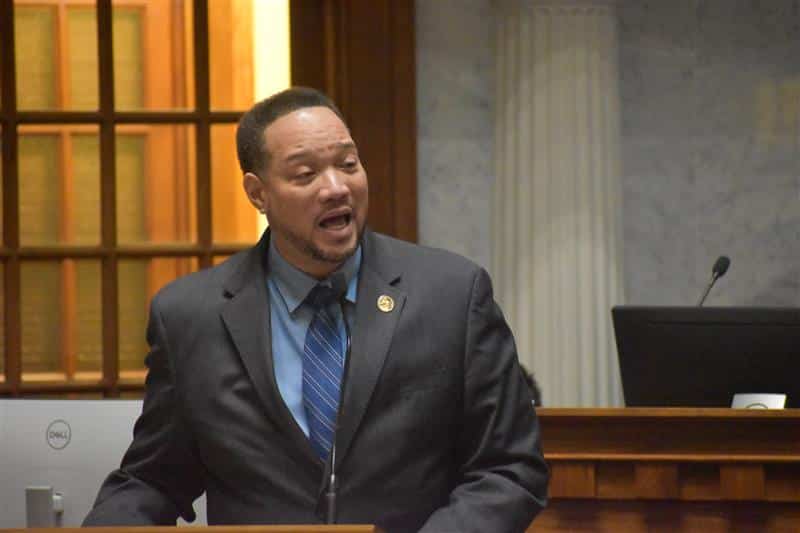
[334,184]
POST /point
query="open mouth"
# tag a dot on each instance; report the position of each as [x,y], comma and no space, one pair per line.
[336,221]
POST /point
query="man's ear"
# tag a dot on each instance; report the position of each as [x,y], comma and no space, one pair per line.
[256,193]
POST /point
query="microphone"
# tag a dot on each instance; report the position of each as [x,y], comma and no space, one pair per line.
[717,271]
[330,492]
[339,286]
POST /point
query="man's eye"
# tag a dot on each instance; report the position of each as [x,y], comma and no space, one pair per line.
[307,175]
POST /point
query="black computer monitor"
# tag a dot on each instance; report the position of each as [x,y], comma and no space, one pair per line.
[702,356]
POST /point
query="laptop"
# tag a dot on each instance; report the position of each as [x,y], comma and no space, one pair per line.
[69,445]
[702,356]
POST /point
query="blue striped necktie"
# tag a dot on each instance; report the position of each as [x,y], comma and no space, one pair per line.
[323,367]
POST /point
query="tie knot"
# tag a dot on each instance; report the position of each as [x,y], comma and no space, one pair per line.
[321,296]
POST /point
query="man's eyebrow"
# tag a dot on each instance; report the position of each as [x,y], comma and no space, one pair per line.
[302,154]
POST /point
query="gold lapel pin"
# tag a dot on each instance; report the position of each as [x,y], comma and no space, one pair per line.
[385,303]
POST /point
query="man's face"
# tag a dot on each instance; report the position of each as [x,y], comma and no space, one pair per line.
[314,190]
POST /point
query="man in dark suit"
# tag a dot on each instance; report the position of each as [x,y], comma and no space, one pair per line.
[328,340]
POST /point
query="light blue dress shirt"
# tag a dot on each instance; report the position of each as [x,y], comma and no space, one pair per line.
[290,318]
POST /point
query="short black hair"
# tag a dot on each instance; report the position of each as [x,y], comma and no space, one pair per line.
[250,142]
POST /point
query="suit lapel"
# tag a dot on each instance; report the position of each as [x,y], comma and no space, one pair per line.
[247,318]
[372,335]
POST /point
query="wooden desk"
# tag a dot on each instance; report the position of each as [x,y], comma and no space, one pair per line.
[207,529]
[687,469]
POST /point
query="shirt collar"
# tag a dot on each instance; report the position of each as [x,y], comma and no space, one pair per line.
[294,284]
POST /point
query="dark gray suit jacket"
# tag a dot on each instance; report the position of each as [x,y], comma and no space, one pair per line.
[436,427]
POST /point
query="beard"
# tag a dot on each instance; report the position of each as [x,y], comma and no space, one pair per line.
[309,249]
[329,257]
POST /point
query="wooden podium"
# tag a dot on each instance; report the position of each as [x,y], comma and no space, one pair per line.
[637,469]
[688,469]
[208,529]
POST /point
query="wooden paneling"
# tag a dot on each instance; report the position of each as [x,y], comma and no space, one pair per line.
[656,480]
[574,480]
[615,480]
[781,482]
[316,528]
[666,517]
[699,482]
[361,53]
[742,481]
[11,270]
[671,470]
[307,42]
[677,434]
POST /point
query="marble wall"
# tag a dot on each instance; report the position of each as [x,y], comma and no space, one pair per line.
[710,114]
[455,140]
[711,149]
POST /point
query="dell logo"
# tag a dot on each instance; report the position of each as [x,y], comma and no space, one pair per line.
[58,434]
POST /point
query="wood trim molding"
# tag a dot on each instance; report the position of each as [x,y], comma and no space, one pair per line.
[683,454]
[361,53]
[671,469]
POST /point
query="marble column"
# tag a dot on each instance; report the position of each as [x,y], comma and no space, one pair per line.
[556,212]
